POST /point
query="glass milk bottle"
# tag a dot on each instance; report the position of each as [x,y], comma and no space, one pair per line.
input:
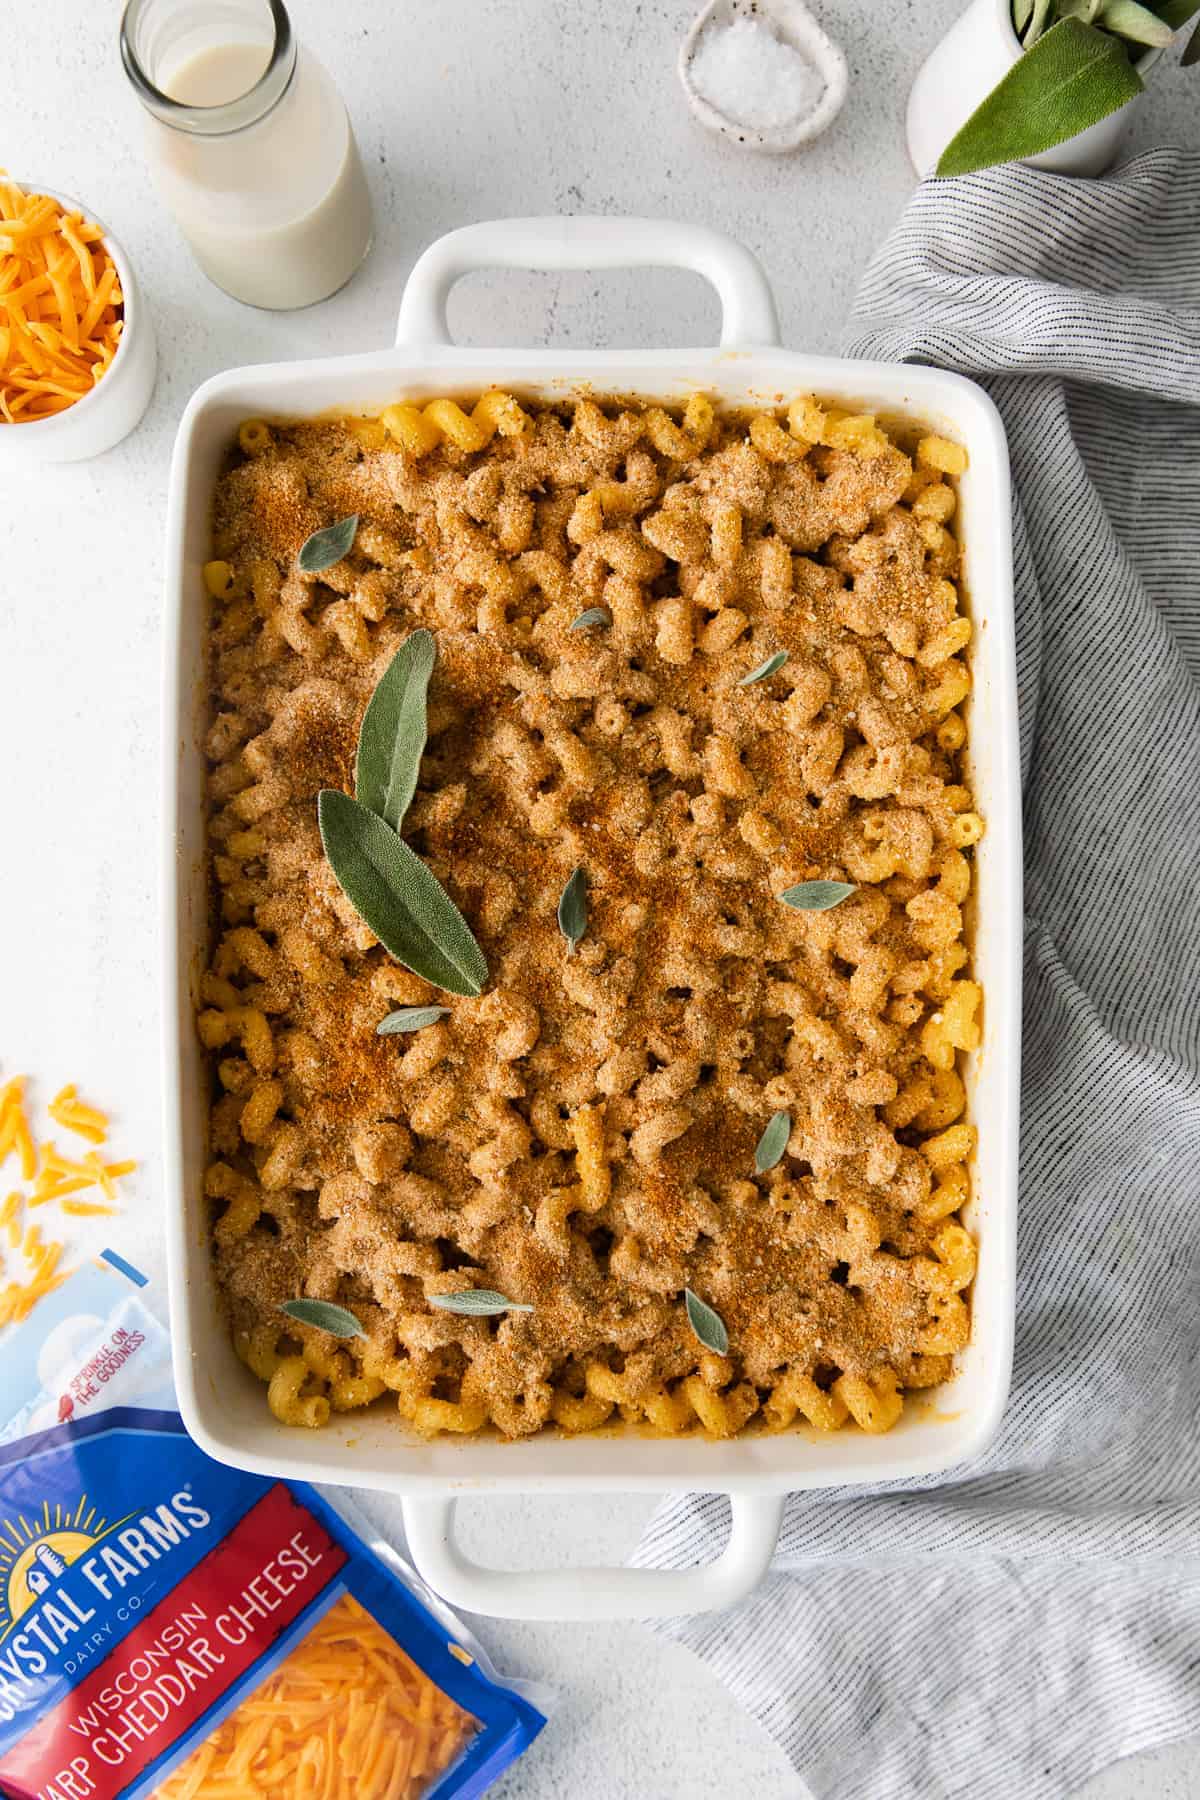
[251,146]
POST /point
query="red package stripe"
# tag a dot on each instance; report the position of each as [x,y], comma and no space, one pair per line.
[180,1659]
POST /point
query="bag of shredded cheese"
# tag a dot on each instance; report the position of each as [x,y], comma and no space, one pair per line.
[171,1627]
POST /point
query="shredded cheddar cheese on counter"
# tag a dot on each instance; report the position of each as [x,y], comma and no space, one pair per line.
[68,1110]
[61,306]
[14,1127]
[347,1715]
[56,1178]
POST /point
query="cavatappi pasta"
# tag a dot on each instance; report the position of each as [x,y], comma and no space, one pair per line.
[347,1715]
[582,1136]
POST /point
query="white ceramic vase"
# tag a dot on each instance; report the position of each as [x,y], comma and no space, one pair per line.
[972,57]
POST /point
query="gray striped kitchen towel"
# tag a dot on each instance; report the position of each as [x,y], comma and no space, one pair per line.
[1008,1629]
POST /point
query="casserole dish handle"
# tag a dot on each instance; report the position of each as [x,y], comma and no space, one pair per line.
[594,1593]
[748,315]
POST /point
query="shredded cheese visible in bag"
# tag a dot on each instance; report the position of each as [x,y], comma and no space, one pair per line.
[346,1716]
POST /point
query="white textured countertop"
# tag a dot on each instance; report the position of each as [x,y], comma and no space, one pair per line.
[465,109]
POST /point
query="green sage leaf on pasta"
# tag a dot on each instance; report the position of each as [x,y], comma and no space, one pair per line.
[572,910]
[773,1142]
[477,1303]
[324,548]
[593,615]
[1069,79]
[707,1324]
[391,739]
[764,669]
[404,904]
[325,1316]
[817,896]
[410,1018]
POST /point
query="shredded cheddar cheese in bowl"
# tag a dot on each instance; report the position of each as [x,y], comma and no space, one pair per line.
[61,306]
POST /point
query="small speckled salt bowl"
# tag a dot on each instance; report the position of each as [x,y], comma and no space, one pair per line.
[116,404]
[794,26]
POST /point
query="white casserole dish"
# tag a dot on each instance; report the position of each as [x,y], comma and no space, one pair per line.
[223,1404]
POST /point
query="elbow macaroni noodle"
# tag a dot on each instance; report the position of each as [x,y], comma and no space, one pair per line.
[581,1136]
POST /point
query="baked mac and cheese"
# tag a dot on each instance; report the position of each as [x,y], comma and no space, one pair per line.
[581,1137]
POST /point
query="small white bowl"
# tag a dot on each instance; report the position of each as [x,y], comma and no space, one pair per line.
[116,403]
[794,24]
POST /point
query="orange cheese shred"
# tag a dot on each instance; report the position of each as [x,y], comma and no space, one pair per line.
[347,1715]
[50,1188]
[68,1110]
[55,1178]
[61,307]
[18,1300]
[14,1127]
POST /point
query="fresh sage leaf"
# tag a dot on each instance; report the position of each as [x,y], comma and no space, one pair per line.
[477,1303]
[1143,26]
[1085,10]
[764,669]
[324,548]
[773,1142]
[817,896]
[594,615]
[410,1018]
[572,910]
[1136,24]
[391,739]
[405,905]
[325,1316]
[1071,78]
[1191,54]
[706,1324]
[1038,21]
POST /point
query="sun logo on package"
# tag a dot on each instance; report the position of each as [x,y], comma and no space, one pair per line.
[36,1552]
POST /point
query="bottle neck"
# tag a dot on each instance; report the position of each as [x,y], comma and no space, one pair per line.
[161,37]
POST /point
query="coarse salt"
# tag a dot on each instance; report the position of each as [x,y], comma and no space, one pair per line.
[752,77]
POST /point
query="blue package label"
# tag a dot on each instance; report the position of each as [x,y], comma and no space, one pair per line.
[145,1589]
